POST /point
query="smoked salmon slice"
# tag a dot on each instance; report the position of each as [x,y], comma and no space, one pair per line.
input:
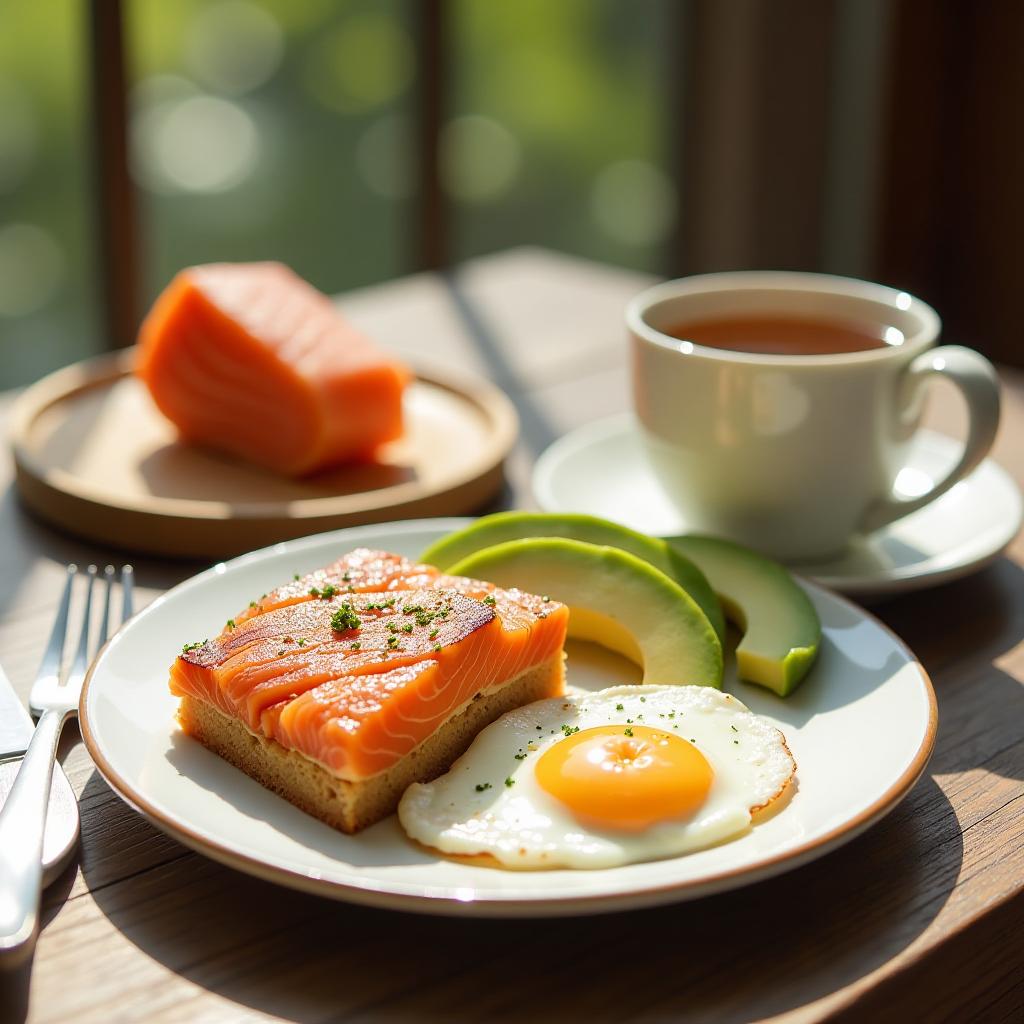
[357,665]
[252,360]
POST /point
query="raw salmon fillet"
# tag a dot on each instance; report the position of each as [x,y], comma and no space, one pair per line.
[250,359]
[356,665]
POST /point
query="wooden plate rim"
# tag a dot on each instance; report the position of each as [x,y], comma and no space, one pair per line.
[103,371]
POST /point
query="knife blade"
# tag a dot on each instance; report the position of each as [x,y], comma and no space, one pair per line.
[61,836]
[15,723]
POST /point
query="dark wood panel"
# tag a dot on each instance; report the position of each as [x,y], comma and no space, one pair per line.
[952,210]
[756,84]
[117,255]
[431,229]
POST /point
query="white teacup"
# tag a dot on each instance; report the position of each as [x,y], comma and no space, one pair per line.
[793,454]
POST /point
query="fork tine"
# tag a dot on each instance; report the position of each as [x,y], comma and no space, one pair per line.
[49,668]
[108,576]
[127,597]
[81,662]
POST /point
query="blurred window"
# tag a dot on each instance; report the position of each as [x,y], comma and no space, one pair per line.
[284,129]
[272,129]
[46,281]
[557,135]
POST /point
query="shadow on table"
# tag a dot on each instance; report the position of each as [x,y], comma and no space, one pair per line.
[15,982]
[934,619]
[734,957]
[28,540]
[184,473]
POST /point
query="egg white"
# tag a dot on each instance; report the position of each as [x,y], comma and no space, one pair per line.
[489,801]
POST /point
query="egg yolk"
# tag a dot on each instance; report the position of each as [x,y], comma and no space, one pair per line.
[625,777]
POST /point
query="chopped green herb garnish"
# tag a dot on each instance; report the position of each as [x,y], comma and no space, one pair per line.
[407,628]
[346,577]
[489,599]
[519,757]
[546,599]
[302,642]
[393,643]
[433,635]
[355,645]
[295,576]
[570,729]
[437,647]
[482,787]
[619,707]
[539,729]
[736,742]
[230,624]
[192,647]
[629,721]
[627,731]
[509,781]
[252,604]
[411,609]
[643,700]
[345,618]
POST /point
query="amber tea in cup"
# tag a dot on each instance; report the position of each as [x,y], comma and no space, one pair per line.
[786,335]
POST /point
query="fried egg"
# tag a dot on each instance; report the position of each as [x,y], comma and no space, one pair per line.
[597,780]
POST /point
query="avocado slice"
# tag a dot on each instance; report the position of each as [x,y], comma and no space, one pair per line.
[615,599]
[781,629]
[508,526]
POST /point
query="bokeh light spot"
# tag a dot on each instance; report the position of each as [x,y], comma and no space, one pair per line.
[31,268]
[384,157]
[198,144]
[633,202]
[480,158]
[233,46]
[363,63]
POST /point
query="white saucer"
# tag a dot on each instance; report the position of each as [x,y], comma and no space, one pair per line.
[602,469]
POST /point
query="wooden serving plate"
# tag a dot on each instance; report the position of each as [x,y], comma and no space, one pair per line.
[93,455]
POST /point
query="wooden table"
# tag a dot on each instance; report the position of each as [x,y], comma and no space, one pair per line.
[918,919]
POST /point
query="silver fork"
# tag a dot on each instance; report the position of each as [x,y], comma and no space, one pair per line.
[23,818]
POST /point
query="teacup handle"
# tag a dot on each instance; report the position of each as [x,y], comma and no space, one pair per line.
[978,382]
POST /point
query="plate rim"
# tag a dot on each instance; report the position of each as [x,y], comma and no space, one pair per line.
[399,897]
[40,484]
[860,585]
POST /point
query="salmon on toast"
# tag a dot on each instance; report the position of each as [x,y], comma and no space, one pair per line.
[338,696]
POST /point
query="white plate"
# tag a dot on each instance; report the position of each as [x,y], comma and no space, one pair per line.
[861,728]
[602,469]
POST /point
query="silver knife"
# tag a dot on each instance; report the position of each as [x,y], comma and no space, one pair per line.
[62,817]
[15,723]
